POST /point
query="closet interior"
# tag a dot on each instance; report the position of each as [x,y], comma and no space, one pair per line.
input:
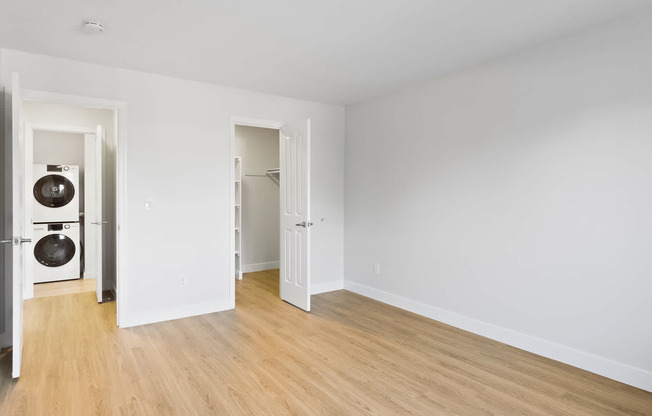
[257,212]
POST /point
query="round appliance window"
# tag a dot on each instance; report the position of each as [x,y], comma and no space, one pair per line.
[54,250]
[54,191]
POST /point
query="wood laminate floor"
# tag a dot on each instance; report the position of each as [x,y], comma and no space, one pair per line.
[349,356]
[66,287]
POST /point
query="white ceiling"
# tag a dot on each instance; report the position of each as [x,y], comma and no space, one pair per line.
[335,51]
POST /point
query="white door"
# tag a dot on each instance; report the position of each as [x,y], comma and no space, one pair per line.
[295,214]
[28,232]
[19,249]
[93,221]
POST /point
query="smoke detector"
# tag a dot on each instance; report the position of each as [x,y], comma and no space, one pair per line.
[93,27]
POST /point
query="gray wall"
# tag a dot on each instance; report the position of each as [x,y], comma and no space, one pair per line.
[513,199]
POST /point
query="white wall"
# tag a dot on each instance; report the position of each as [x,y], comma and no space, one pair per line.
[260,209]
[513,199]
[178,155]
[53,146]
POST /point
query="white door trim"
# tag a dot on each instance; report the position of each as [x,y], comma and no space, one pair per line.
[120,227]
[249,122]
[58,129]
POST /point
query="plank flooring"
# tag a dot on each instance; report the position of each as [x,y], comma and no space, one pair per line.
[67,287]
[349,356]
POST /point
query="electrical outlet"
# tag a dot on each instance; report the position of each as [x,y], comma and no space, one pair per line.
[376,268]
[183,280]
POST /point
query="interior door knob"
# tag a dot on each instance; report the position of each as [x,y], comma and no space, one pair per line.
[16,241]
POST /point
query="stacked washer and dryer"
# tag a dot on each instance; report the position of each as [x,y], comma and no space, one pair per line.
[56,223]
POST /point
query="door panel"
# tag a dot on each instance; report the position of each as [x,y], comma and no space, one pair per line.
[99,142]
[28,232]
[295,218]
[93,220]
[18,225]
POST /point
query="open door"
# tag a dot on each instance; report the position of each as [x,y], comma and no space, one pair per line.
[93,221]
[28,232]
[18,224]
[295,214]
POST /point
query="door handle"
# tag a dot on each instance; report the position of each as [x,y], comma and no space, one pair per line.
[100,222]
[304,224]
[16,241]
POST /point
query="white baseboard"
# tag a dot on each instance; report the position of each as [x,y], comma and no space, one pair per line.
[90,275]
[168,314]
[326,287]
[624,373]
[259,267]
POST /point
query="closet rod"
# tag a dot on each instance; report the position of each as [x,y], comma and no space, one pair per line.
[267,173]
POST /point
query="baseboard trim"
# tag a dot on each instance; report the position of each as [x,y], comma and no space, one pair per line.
[326,287]
[624,373]
[168,314]
[259,267]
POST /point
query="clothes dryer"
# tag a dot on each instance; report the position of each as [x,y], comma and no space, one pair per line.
[56,252]
[56,193]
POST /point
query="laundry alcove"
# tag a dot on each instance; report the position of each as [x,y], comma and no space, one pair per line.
[64,137]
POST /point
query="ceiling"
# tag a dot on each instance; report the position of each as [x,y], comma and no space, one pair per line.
[335,51]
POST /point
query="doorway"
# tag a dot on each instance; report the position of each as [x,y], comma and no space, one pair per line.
[82,115]
[21,199]
[294,205]
[257,203]
[70,144]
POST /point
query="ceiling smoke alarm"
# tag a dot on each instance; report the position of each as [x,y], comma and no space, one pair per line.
[93,27]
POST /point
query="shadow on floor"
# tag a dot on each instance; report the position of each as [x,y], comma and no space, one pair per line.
[7,383]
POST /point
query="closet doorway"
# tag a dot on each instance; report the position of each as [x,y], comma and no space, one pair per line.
[258,225]
[270,204]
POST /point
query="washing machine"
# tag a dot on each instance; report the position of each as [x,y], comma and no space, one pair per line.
[56,252]
[56,193]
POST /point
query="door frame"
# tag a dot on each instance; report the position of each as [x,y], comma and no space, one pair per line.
[247,122]
[29,129]
[120,128]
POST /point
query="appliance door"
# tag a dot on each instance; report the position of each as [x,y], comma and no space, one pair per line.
[54,250]
[54,191]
